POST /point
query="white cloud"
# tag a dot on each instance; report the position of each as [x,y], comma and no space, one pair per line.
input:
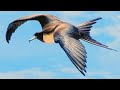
[94,73]
[102,75]
[114,31]
[34,73]
[69,70]
[90,74]
[112,76]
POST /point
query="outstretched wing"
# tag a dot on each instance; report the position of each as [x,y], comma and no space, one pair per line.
[75,51]
[42,18]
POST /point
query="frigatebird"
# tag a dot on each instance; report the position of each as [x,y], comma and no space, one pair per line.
[67,35]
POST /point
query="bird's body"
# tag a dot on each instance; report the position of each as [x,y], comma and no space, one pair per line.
[49,30]
[67,35]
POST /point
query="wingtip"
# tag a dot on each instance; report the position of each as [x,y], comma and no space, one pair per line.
[116,50]
[7,41]
[82,73]
[7,38]
[112,49]
[98,18]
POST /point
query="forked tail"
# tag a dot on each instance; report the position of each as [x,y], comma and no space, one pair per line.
[84,30]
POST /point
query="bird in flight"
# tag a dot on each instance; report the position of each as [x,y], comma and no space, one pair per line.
[67,35]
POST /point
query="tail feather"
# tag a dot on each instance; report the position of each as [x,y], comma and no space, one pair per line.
[86,27]
[84,31]
[94,42]
[91,22]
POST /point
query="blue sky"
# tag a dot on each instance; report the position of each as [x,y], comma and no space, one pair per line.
[37,60]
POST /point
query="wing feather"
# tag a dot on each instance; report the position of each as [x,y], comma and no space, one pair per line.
[75,51]
[43,19]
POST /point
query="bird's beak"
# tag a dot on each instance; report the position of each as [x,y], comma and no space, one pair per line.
[34,37]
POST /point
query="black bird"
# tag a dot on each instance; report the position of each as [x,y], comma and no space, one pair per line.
[67,35]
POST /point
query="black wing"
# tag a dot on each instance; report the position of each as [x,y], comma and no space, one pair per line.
[43,19]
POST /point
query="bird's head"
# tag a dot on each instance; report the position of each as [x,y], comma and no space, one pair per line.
[38,36]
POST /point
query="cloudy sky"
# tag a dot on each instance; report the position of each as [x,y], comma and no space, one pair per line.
[36,60]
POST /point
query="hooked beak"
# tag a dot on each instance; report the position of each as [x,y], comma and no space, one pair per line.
[34,37]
